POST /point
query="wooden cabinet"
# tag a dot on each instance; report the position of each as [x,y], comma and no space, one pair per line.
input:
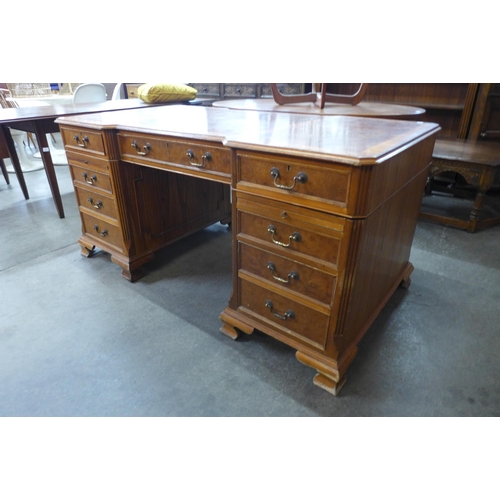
[485,123]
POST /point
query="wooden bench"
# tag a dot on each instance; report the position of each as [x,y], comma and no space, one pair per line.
[478,163]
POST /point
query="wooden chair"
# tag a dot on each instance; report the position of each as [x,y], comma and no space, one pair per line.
[319,97]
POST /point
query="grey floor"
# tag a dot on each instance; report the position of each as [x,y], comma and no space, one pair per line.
[76,339]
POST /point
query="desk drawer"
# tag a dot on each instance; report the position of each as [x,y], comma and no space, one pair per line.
[85,177]
[142,148]
[168,152]
[96,202]
[87,161]
[291,317]
[83,140]
[294,180]
[290,231]
[201,156]
[288,274]
[102,230]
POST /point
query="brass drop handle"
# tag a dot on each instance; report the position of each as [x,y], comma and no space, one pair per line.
[146,148]
[292,275]
[293,237]
[103,233]
[207,156]
[84,142]
[300,177]
[89,180]
[97,205]
[288,314]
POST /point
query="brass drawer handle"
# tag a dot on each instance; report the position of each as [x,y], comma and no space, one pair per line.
[288,314]
[292,275]
[103,233]
[300,177]
[293,237]
[84,142]
[146,147]
[207,156]
[89,180]
[97,205]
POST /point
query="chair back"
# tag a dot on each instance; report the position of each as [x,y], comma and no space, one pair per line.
[118,92]
[90,92]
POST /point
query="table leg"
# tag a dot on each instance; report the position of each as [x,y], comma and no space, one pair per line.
[43,146]
[485,184]
[15,161]
[4,171]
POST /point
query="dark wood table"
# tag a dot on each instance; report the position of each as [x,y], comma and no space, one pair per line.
[4,152]
[41,121]
[366,109]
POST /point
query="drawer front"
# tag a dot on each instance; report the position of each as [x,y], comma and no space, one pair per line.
[143,148]
[288,179]
[96,202]
[289,316]
[293,239]
[286,229]
[195,156]
[231,90]
[88,141]
[86,177]
[286,273]
[87,161]
[102,231]
[207,89]
[284,88]
[191,155]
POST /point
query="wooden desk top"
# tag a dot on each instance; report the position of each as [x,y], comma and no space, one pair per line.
[367,109]
[483,153]
[346,139]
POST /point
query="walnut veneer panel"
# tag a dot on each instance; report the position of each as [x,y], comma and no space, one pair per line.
[200,158]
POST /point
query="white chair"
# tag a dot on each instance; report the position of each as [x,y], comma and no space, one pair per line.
[118,92]
[90,92]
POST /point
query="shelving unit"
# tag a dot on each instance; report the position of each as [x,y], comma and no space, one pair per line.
[449,104]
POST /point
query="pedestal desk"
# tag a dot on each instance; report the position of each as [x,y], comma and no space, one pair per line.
[323,211]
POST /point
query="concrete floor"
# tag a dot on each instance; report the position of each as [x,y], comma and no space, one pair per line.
[76,339]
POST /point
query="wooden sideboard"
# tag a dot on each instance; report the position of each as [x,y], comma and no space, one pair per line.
[219,91]
[244,90]
[323,211]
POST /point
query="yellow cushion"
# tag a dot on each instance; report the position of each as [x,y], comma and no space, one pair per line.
[165,92]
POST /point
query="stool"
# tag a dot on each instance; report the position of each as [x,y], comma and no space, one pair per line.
[478,163]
